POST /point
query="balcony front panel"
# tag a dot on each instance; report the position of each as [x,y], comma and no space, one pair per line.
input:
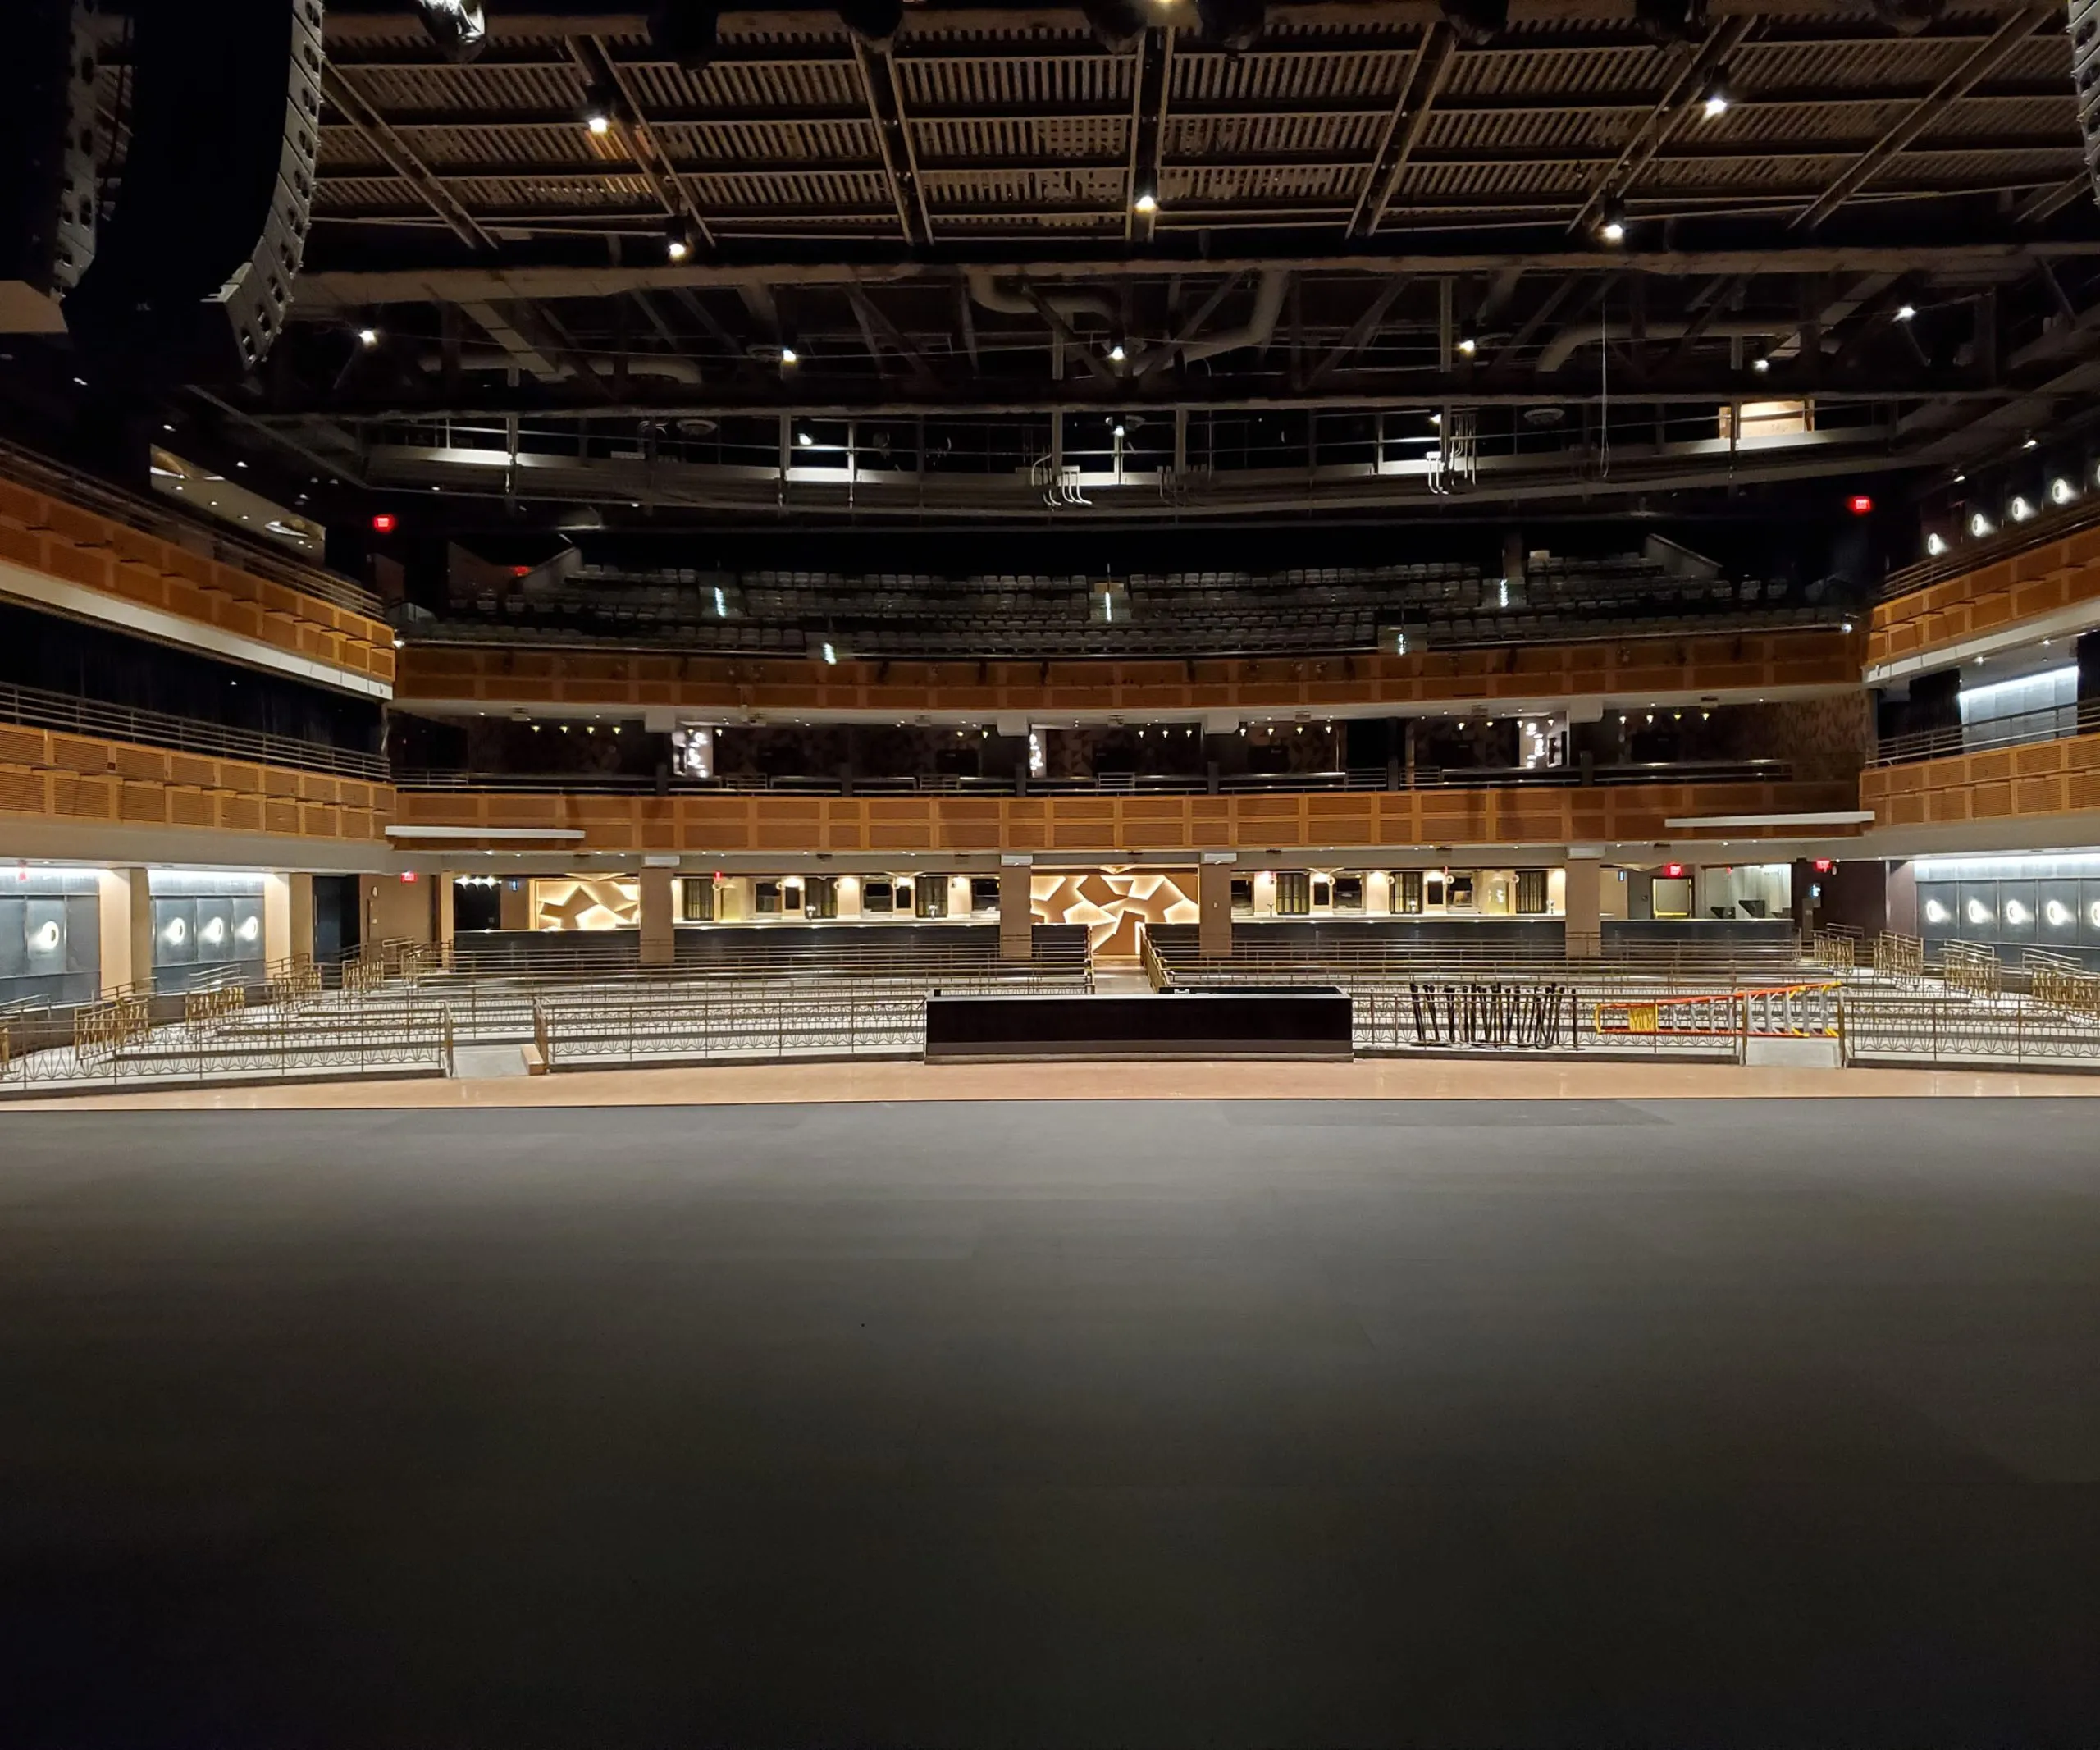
[47,537]
[50,776]
[1107,824]
[2054,578]
[2035,780]
[1631,670]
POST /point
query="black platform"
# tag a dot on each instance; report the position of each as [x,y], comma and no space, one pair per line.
[1298,1022]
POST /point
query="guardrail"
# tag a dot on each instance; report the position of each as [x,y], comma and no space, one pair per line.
[37,708]
[2026,729]
[1970,967]
[88,493]
[2052,523]
[418,779]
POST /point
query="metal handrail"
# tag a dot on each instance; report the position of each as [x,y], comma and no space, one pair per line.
[2051,523]
[1354,778]
[39,709]
[103,499]
[2057,723]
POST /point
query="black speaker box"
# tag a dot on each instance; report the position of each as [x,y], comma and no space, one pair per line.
[48,157]
[194,277]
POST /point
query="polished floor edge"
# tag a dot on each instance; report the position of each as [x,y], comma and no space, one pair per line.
[795,1084]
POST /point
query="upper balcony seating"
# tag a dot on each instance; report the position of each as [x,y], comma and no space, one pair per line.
[1335,608]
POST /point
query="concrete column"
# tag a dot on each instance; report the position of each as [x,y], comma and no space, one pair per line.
[659,922]
[1016,921]
[1585,926]
[1214,911]
[514,902]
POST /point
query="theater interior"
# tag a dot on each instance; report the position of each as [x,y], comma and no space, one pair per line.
[1292,811]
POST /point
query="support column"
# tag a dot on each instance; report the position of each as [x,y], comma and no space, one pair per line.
[443,898]
[300,892]
[115,944]
[659,945]
[1017,918]
[1583,906]
[1214,908]
[514,902]
[277,918]
[141,883]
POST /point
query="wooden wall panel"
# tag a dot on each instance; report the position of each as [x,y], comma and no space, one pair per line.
[53,776]
[81,547]
[2000,784]
[1631,667]
[1108,824]
[2045,579]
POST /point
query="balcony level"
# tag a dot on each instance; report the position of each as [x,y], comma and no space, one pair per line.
[1742,666]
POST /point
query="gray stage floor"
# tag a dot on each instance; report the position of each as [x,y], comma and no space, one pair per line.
[1727,1423]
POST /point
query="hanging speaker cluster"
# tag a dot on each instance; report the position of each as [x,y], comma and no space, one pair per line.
[193,279]
[2085,81]
[48,151]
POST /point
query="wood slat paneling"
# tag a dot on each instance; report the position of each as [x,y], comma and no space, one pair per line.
[44,534]
[1401,819]
[2032,782]
[2045,579]
[1630,668]
[58,777]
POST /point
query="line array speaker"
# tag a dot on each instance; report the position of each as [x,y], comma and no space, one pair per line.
[2086,81]
[194,274]
[47,143]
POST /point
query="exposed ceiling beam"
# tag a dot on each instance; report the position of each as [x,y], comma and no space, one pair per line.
[1427,73]
[600,67]
[893,136]
[1158,357]
[1693,68]
[1974,68]
[328,291]
[370,125]
[1151,93]
[1361,330]
[1363,391]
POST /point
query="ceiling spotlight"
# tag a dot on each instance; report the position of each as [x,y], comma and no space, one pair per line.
[1904,312]
[1718,98]
[366,337]
[678,240]
[2030,443]
[2019,509]
[1611,221]
[1979,525]
[1935,544]
[1760,363]
[804,439]
[1116,352]
[596,113]
[1119,429]
[1468,346]
[2061,490]
[789,355]
[1146,202]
